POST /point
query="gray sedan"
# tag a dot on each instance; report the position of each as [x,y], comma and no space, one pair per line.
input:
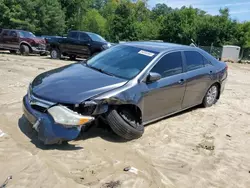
[127,86]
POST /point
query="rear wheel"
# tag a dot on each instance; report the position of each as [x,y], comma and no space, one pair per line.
[125,124]
[211,96]
[55,53]
[24,49]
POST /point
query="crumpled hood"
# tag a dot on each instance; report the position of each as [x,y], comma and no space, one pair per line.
[32,40]
[39,40]
[73,84]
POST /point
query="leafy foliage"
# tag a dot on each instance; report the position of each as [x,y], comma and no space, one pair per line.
[122,20]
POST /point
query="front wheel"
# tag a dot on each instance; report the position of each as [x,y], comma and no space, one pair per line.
[125,124]
[211,96]
[55,53]
[24,50]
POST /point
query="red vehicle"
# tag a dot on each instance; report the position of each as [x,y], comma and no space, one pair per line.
[23,41]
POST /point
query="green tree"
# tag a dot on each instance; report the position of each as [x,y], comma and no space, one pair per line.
[51,18]
[93,21]
[123,24]
[39,16]
[180,26]
[160,10]
[75,11]
[243,34]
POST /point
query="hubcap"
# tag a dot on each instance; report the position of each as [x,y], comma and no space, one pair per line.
[54,54]
[212,94]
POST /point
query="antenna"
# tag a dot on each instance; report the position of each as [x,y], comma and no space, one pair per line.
[193,43]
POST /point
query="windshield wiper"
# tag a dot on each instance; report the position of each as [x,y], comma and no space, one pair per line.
[99,70]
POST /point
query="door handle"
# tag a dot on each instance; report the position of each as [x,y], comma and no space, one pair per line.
[181,81]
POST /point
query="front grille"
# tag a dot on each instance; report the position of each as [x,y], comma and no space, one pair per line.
[39,108]
[41,47]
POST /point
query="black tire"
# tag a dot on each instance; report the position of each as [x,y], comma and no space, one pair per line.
[208,102]
[124,124]
[55,53]
[13,51]
[72,57]
[24,49]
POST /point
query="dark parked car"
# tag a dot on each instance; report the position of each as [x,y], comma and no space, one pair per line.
[77,44]
[128,86]
[23,41]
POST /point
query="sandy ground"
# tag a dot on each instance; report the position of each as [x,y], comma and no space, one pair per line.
[195,149]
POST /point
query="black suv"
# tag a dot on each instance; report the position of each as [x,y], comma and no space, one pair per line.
[77,44]
[23,41]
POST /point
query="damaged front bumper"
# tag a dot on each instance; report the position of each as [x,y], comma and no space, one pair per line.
[49,132]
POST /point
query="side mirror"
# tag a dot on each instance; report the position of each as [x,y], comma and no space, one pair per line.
[153,77]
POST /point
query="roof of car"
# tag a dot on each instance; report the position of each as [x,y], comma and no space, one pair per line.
[82,32]
[14,30]
[158,46]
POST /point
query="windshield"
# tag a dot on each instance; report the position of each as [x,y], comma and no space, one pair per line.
[122,61]
[26,34]
[96,37]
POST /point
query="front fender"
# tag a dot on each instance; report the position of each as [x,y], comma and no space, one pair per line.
[26,43]
[130,94]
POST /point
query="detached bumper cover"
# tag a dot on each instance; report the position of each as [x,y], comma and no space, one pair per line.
[48,131]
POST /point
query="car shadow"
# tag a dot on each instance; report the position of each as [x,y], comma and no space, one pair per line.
[27,129]
[62,58]
[17,54]
[98,129]
[176,115]
[102,130]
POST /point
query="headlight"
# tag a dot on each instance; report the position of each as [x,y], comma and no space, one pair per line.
[63,115]
[106,46]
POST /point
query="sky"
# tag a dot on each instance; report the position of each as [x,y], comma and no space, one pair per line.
[239,9]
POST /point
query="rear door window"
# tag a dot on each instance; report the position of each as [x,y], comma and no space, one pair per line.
[5,32]
[169,65]
[194,60]
[206,62]
[73,35]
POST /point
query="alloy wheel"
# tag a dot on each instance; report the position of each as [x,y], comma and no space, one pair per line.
[212,95]
[54,54]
